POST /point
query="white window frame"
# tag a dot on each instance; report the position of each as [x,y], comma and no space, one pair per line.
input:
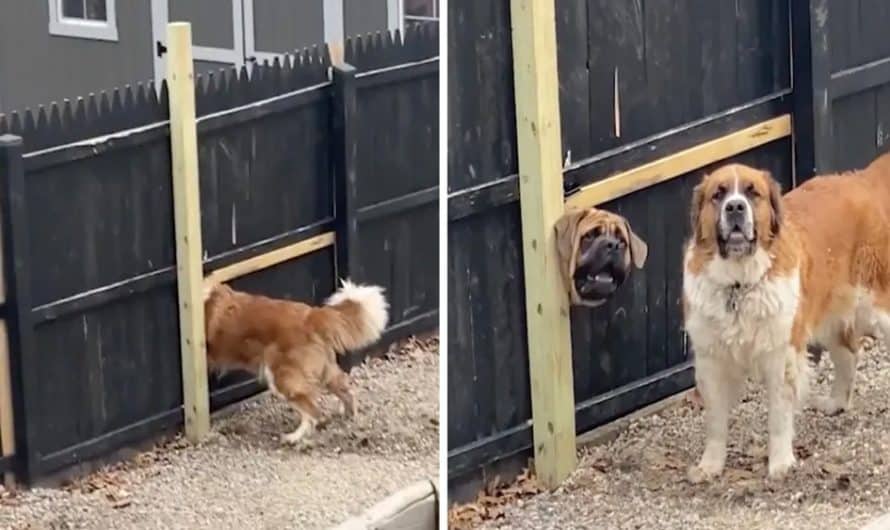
[395,15]
[80,28]
[160,17]
[402,16]
[334,21]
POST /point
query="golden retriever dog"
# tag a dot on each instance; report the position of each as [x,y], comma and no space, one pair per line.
[765,277]
[293,346]
[596,249]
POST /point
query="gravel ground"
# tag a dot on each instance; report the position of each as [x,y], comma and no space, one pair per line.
[638,481]
[242,477]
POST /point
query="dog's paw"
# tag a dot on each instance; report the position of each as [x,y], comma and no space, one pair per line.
[703,472]
[780,467]
[290,438]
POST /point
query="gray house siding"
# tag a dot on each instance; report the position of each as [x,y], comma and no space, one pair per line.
[37,68]
[364,16]
[284,26]
[212,22]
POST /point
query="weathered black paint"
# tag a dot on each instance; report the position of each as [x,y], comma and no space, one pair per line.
[859,88]
[89,237]
[685,74]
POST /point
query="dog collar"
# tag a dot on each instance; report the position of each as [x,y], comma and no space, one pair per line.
[734,295]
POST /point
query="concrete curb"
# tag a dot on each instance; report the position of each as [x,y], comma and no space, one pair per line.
[414,507]
[881,523]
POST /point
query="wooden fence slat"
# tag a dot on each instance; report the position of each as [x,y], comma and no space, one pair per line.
[681,162]
[19,320]
[187,208]
[813,129]
[345,162]
[270,259]
[7,417]
[541,199]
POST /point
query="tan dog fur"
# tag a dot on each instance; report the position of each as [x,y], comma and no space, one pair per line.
[575,224]
[292,345]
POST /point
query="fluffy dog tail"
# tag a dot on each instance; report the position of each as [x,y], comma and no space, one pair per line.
[359,316]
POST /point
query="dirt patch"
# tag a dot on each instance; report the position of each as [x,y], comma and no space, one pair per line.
[639,480]
[242,477]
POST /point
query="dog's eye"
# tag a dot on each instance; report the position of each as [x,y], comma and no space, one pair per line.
[720,193]
[751,191]
[588,237]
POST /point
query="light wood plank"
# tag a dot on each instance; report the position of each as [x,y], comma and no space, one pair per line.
[681,162]
[7,417]
[269,259]
[187,207]
[541,200]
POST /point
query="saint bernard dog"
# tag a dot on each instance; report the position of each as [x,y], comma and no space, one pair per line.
[765,277]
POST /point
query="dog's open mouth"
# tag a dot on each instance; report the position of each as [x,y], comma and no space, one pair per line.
[597,284]
[737,237]
[736,243]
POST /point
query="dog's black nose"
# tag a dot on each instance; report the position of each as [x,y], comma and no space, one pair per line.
[612,244]
[735,206]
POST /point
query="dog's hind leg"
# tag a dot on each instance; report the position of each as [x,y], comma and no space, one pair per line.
[844,360]
[301,395]
[309,416]
[338,383]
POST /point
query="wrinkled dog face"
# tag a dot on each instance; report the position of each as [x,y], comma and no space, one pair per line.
[736,208]
[600,248]
[603,262]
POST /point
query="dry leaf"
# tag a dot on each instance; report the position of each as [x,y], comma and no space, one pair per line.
[123,503]
[492,501]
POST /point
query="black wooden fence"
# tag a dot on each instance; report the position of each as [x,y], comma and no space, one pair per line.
[681,73]
[285,153]
[858,122]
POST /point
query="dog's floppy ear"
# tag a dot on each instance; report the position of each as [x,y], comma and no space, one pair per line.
[566,233]
[639,251]
[698,198]
[567,244]
[775,204]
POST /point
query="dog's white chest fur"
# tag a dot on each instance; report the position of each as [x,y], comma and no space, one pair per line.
[736,312]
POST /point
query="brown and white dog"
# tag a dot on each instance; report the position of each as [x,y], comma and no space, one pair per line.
[293,346]
[596,249]
[766,276]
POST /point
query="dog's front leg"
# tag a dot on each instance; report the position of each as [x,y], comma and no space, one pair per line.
[719,385]
[781,386]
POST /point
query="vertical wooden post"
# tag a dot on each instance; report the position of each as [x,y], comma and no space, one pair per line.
[17,310]
[187,207]
[541,199]
[10,162]
[811,80]
[345,179]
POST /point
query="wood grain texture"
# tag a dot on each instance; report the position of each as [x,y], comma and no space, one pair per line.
[541,204]
[681,162]
[7,418]
[189,249]
[269,259]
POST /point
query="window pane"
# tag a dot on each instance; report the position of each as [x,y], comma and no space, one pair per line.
[72,8]
[96,10]
[420,8]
